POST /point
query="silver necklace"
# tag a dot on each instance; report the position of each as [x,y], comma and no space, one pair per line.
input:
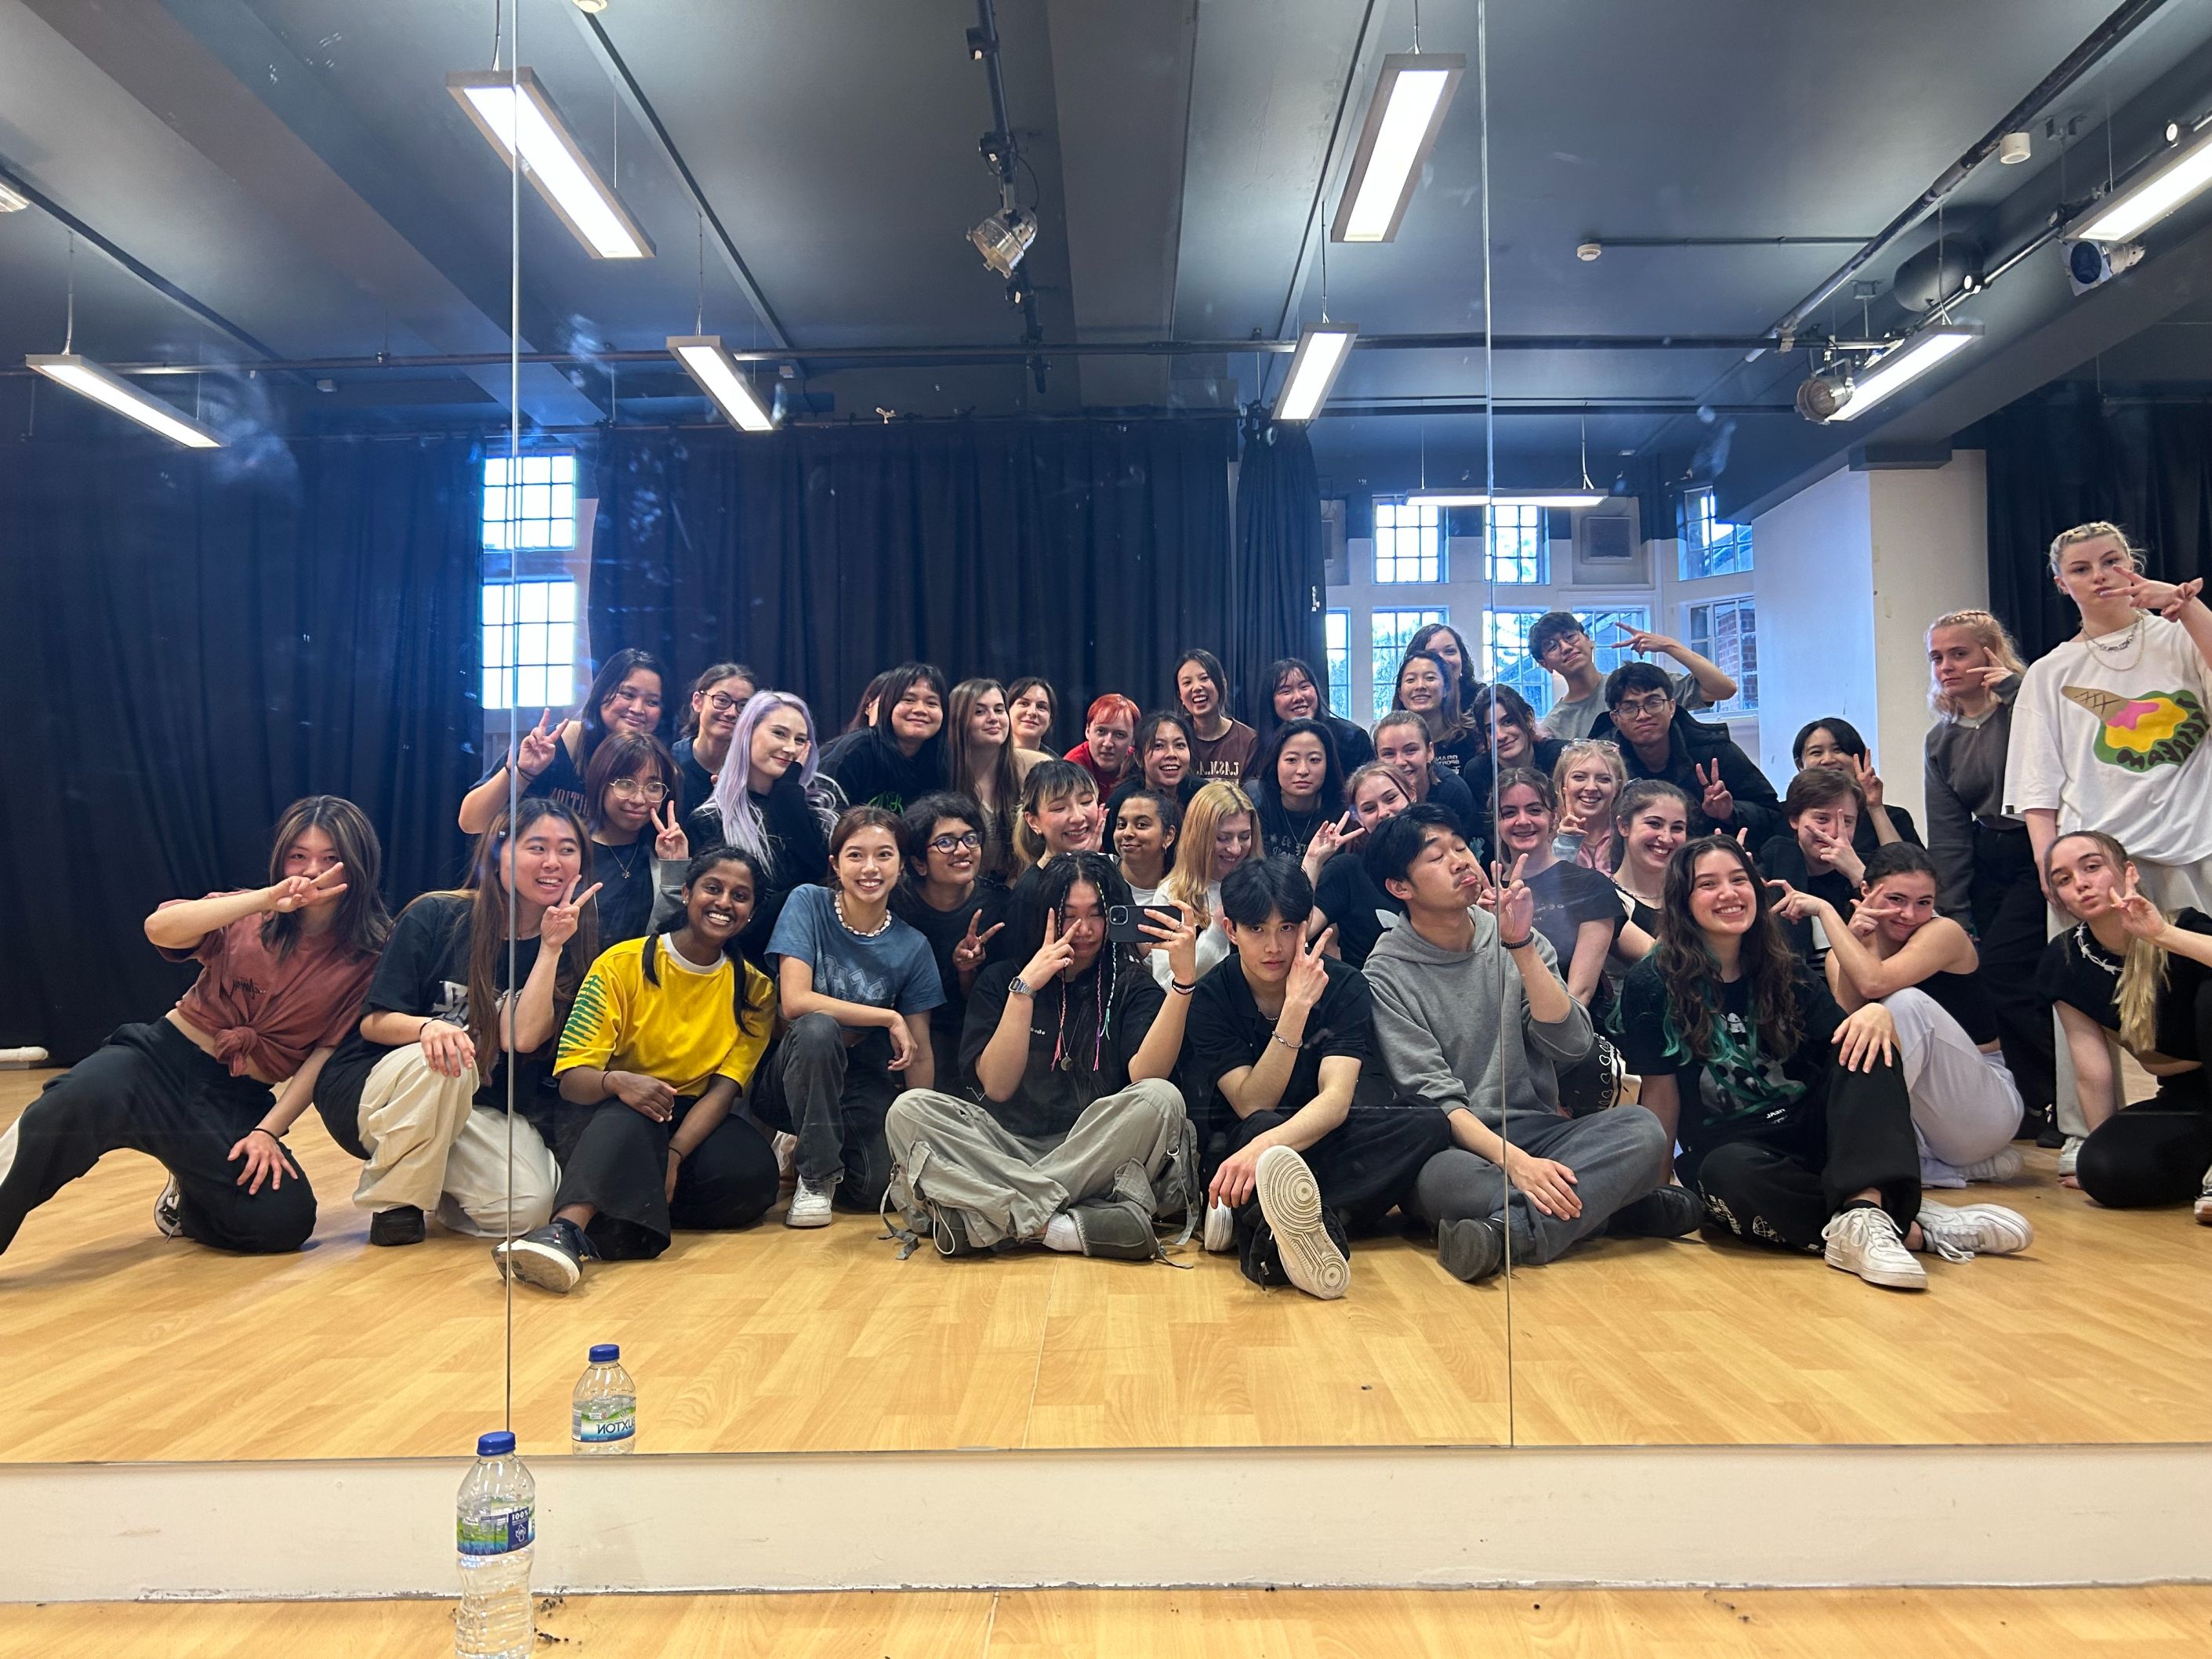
[2084,942]
[838,901]
[2131,640]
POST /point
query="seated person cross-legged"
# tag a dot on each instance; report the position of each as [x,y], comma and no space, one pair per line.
[665,1032]
[1079,1141]
[2127,973]
[1471,1018]
[1895,950]
[1789,1143]
[1280,1034]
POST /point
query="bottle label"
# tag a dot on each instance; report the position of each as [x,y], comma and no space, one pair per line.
[596,1426]
[500,1533]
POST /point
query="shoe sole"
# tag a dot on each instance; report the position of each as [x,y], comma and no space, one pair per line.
[1458,1254]
[2005,1234]
[1290,1198]
[166,1221]
[538,1264]
[1890,1279]
[1220,1229]
[792,1219]
[2000,1168]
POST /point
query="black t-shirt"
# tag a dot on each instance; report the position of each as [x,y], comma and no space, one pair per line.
[1355,906]
[425,970]
[695,784]
[1227,1031]
[1567,895]
[945,929]
[1447,790]
[799,854]
[1864,841]
[1283,833]
[1782,859]
[1741,1091]
[2071,974]
[1062,1028]
[872,772]
[625,901]
[1967,998]
[1354,748]
[562,780]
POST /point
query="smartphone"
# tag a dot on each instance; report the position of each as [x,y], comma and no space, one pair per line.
[1123,921]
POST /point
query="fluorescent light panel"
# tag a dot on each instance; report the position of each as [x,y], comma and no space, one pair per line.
[1521,498]
[2151,197]
[1901,365]
[716,371]
[89,379]
[1322,352]
[571,187]
[1403,118]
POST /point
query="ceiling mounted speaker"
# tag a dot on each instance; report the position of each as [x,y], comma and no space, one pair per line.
[1938,272]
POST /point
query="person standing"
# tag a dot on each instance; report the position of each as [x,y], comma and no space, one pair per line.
[1986,867]
[1221,748]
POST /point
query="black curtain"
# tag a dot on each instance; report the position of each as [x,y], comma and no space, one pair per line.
[1091,552]
[1278,596]
[2054,464]
[195,640]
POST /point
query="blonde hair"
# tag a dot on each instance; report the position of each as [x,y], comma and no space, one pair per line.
[2145,971]
[1586,749]
[2089,533]
[1194,867]
[1988,632]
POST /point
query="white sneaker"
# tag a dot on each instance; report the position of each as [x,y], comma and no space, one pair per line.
[2204,1202]
[168,1221]
[1290,1198]
[2067,1153]
[1865,1240]
[1220,1228]
[809,1207]
[1972,1230]
[2002,1165]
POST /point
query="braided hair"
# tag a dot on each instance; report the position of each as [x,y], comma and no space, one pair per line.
[1047,895]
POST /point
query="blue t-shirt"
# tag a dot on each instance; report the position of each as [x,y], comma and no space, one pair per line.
[892,969]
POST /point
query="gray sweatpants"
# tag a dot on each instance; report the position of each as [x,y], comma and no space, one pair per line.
[1007,1187]
[1615,1154]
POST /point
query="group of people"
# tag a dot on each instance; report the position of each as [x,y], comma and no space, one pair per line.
[1509,984]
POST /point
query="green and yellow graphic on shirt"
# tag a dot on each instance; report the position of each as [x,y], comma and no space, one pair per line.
[2140,733]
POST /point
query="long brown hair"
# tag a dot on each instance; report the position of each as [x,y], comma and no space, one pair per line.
[363,921]
[487,895]
[1689,970]
[2144,971]
[967,761]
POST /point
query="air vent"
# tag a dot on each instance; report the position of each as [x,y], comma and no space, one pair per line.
[1607,539]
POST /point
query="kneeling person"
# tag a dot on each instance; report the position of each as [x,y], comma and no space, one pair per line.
[665,1031]
[1472,1017]
[1079,1140]
[1280,1033]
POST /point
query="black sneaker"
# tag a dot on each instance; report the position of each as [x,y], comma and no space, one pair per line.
[1472,1250]
[1260,1252]
[402,1224]
[551,1257]
[1309,1242]
[2050,1135]
[950,1234]
[2033,1122]
[1662,1213]
[1121,1230]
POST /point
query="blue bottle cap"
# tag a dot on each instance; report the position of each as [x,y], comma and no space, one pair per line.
[496,1445]
[606,1353]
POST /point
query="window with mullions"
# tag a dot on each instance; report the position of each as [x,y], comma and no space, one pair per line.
[1409,541]
[1520,543]
[529,643]
[529,502]
[1710,546]
[1391,631]
[1339,647]
[1727,632]
[1506,656]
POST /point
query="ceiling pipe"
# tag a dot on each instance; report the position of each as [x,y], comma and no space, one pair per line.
[2101,40]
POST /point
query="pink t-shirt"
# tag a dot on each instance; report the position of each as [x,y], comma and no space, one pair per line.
[267,1013]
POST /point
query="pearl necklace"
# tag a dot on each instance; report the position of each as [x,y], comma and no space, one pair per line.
[837,901]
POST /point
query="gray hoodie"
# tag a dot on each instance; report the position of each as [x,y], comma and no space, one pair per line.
[1443,1018]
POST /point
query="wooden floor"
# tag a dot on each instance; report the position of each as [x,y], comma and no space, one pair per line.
[2083,1623]
[778,1341]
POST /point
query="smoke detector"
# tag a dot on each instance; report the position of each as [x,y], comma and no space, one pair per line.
[2016,147]
[1589,251]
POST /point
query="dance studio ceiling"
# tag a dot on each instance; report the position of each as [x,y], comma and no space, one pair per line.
[295,173]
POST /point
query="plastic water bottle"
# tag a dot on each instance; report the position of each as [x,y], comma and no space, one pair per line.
[496,1524]
[603,1411]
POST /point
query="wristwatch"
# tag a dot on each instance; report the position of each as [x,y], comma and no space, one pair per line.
[1018,987]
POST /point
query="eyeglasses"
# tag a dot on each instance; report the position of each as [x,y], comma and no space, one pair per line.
[968,842]
[1656,703]
[632,789]
[721,702]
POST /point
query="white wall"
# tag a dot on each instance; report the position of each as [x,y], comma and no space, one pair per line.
[1850,572]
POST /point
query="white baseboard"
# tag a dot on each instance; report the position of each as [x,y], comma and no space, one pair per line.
[1634,1517]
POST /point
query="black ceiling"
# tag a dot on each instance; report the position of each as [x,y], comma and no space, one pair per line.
[297,169]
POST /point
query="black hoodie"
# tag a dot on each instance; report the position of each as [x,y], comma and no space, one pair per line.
[1692,744]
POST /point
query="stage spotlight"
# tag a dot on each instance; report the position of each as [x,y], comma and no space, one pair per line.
[1004,237]
[2090,264]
